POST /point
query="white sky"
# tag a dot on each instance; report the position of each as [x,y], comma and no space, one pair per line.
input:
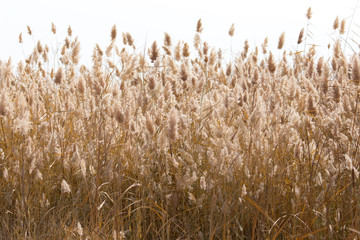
[147,20]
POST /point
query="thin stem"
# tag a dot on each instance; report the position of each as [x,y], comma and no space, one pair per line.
[306,35]
[352,17]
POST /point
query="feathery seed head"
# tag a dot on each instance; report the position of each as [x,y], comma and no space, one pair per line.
[197,41]
[124,38]
[53,28]
[337,49]
[167,50]
[113,33]
[118,114]
[183,72]
[129,39]
[67,42]
[154,52]
[185,51]
[342,27]
[336,92]
[281,41]
[81,86]
[320,65]
[59,76]
[205,48]
[309,13]
[301,35]
[150,124]
[151,83]
[178,51]
[271,63]
[356,70]
[232,30]
[199,27]
[336,23]
[3,105]
[79,229]
[228,70]
[132,126]
[29,30]
[264,45]
[334,64]
[311,107]
[256,75]
[69,31]
[75,53]
[172,124]
[167,40]
[6,174]
[65,187]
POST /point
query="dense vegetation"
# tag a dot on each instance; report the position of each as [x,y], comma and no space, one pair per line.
[180,144]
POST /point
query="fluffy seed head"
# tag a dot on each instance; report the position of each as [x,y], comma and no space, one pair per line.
[154,52]
[79,229]
[129,39]
[309,13]
[53,28]
[3,105]
[336,92]
[183,72]
[113,33]
[337,49]
[311,107]
[124,38]
[59,76]
[342,27]
[281,41]
[301,35]
[271,63]
[185,51]
[199,27]
[29,30]
[264,45]
[228,70]
[118,114]
[75,53]
[320,65]
[356,70]
[232,30]
[69,30]
[150,124]
[151,83]
[39,47]
[65,187]
[336,23]
[81,86]
[172,125]
[167,40]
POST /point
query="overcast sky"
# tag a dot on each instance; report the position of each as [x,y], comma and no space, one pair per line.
[147,20]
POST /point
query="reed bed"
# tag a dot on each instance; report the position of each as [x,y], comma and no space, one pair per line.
[178,143]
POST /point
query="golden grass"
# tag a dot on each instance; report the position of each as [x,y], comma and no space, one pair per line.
[179,144]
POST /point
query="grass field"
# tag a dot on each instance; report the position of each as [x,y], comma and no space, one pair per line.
[175,142]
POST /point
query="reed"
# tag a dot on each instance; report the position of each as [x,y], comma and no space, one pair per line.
[177,144]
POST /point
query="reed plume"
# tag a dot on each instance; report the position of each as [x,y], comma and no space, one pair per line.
[336,23]
[154,52]
[342,27]
[232,30]
[281,41]
[301,35]
[113,33]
